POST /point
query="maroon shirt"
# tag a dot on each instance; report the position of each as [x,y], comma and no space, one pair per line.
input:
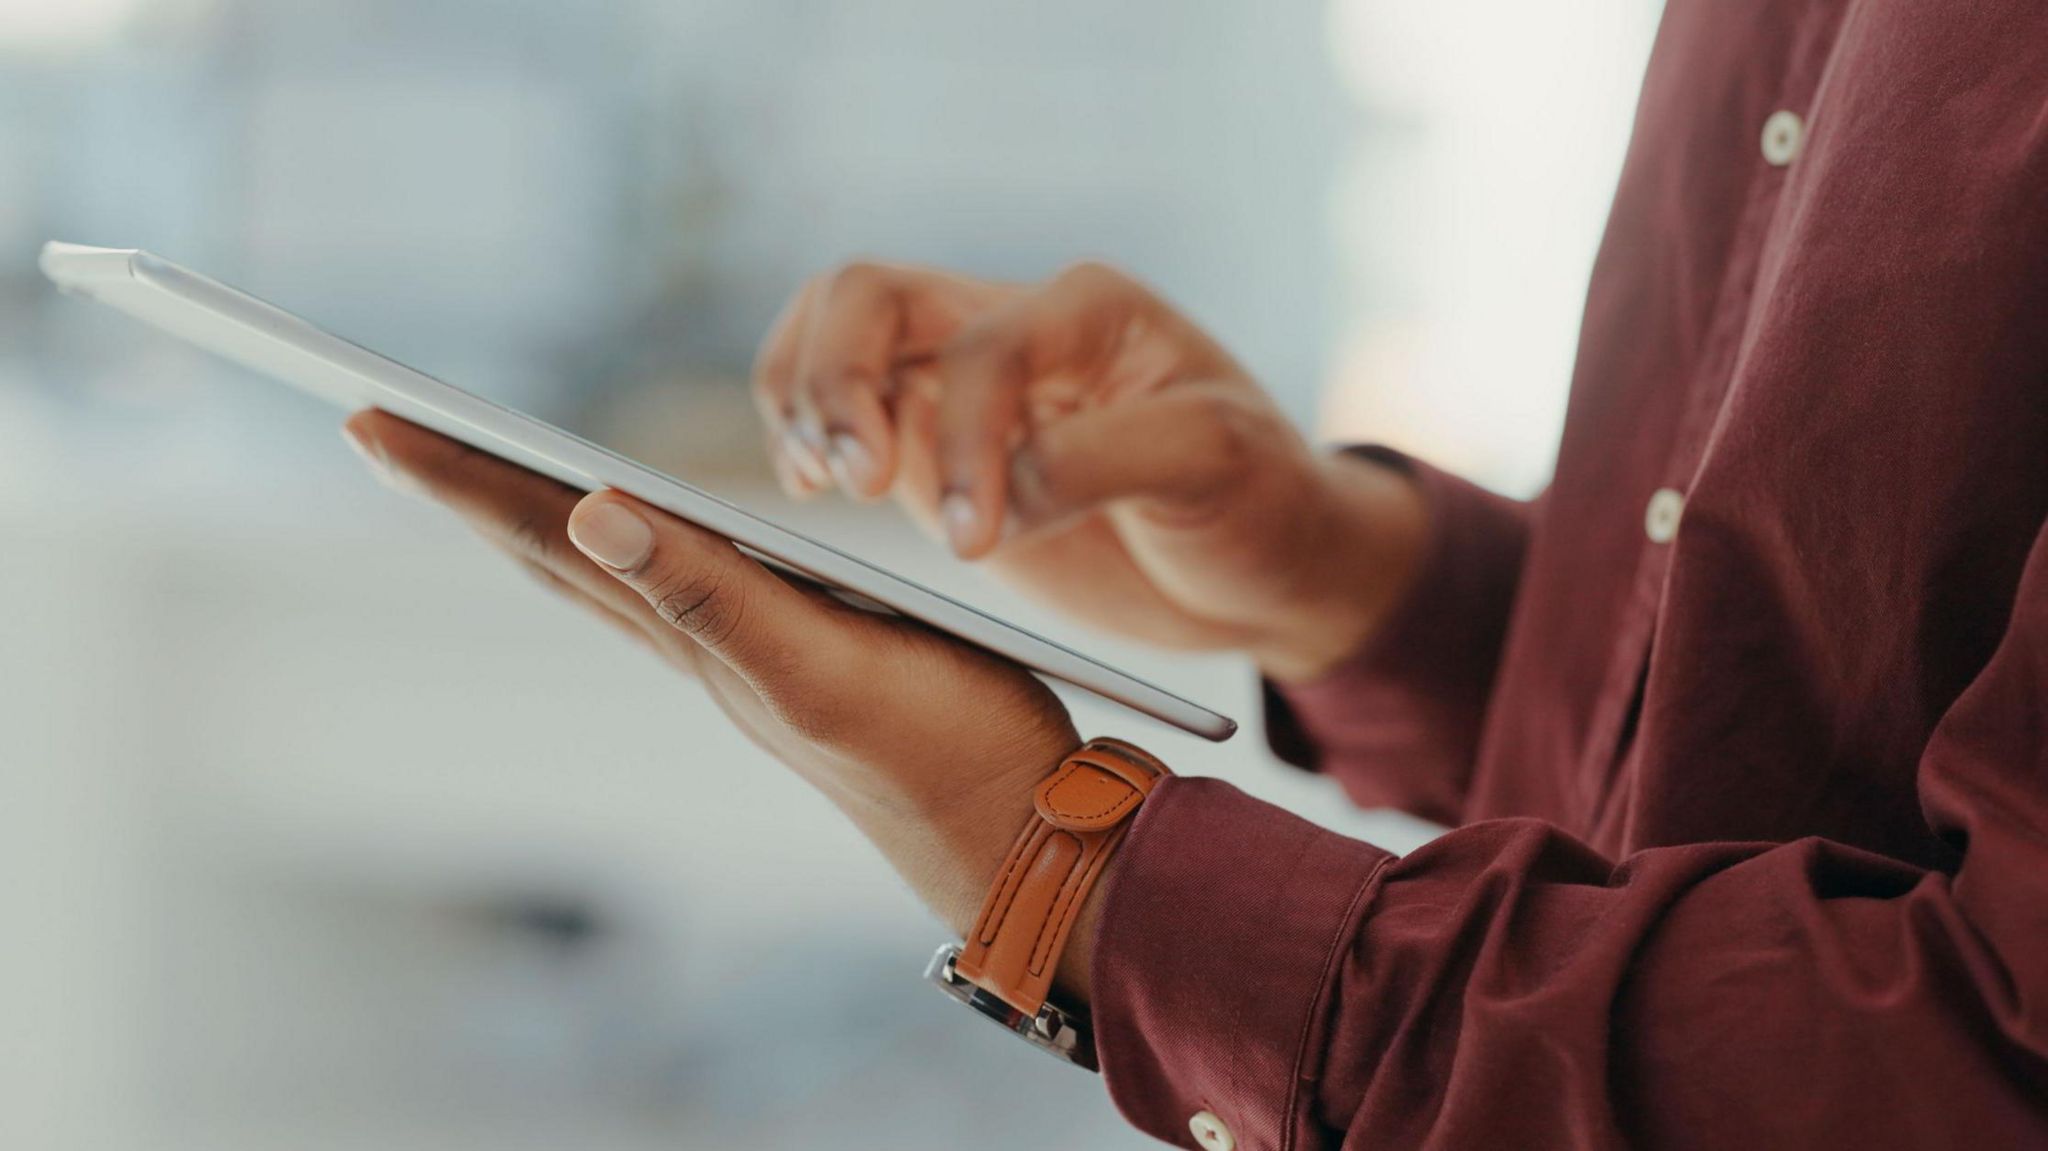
[1753,801]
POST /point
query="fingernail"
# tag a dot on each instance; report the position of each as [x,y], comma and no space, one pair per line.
[361,445]
[805,458]
[963,524]
[793,485]
[381,468]
[853,465]
[613,535]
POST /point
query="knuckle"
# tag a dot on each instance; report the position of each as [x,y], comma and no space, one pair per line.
[987,345]
[773,409]
[1099,287]
[769,374]
[696,603]
[856,278]
[1106,286]
[829,386]
[773,360]
[722,616]
[975,337]
[1095,274]
[1233,435]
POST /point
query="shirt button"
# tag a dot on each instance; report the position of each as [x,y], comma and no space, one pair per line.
[1784,132]
[1660,519]
[1211,1133]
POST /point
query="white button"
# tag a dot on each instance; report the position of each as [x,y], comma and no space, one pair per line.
[1660,520]
[1211,1133]
[1784,132]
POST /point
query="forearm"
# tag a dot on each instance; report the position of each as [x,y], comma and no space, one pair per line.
[949,847]
[1397,719]
[1359,543]
[1369,518]
[1508,986]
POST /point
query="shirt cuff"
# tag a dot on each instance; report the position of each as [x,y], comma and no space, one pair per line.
[1221,926]
[1409,704]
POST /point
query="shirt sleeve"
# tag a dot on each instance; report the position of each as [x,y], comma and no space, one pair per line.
[1506,986]
[1398,723]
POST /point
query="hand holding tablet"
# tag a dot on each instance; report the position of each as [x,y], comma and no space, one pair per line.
[276,343]
[1080,437]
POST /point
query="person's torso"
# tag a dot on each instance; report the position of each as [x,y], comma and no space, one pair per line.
[1819,327]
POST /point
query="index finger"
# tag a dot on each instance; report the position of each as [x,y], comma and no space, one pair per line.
[774,384]
[1073,324]
[866,321]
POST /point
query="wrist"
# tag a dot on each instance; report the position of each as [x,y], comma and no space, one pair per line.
[979,839]
[962,880]
[1072,982]
[1024,959]
[948,844]
[1030,943]
[1362,539]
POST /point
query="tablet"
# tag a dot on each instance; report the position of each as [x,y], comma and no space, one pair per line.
[276,343]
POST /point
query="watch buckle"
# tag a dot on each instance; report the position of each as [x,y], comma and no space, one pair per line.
[1051,1030]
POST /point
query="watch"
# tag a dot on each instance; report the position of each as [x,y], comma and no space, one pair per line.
[1004,969]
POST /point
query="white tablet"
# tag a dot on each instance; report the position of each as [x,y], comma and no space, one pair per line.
[277,343]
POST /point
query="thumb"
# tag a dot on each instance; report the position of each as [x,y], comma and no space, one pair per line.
[700,584]
[1182,445]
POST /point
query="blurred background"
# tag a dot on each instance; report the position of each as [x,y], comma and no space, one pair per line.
[321,828]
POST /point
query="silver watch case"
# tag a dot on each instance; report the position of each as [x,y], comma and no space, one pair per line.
[1057,1033]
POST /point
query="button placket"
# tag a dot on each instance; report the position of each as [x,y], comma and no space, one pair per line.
[1707,389]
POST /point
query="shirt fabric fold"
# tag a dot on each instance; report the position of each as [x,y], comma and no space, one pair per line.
[1743,725]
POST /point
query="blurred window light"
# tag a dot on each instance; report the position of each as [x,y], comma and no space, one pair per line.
[61,25]
[1489,138]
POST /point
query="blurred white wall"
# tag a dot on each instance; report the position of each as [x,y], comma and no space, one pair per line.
[1486,146]
[539,198]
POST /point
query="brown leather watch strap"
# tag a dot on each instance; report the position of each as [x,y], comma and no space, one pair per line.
[1083,811]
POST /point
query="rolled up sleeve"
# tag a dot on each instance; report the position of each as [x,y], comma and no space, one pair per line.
[1222,924]
[1507,985]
